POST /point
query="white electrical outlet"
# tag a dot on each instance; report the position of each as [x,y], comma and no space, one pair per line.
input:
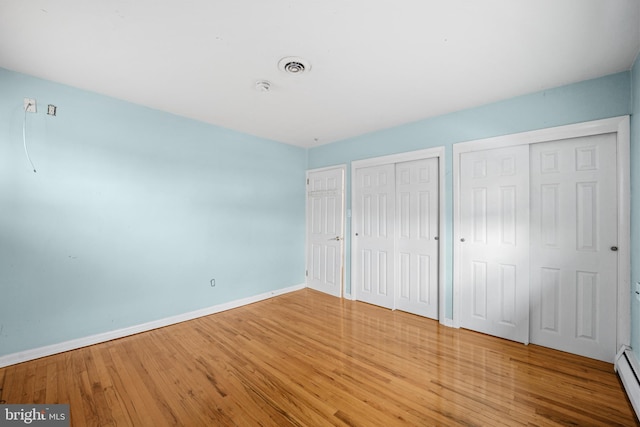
[30,105]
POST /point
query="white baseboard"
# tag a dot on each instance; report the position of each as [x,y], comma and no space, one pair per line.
[448,322]
[36,353]
[628,369]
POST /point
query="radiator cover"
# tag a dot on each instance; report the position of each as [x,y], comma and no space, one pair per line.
[627,368]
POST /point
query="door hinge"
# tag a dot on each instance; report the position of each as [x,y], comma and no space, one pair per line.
[306,273]
[307,181]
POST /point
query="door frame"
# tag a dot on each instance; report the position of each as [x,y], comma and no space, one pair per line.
[343,169]
[617,125]
[428,153]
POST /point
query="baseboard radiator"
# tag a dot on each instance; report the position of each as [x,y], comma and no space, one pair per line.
[627,368]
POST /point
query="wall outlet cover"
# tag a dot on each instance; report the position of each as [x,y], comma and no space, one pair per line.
[30,105]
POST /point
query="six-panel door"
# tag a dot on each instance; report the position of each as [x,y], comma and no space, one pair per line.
[417,237]
[374,235]
[325,230]
[573,245]
[494,239]
[395,242]
[538,230]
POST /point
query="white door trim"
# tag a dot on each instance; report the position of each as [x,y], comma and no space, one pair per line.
[618,125]
[427,153]
[343,168]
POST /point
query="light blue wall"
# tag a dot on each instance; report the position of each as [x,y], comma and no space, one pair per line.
[635,205]
[131,212]
[589,100]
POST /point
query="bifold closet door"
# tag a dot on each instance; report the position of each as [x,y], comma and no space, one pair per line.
[574,255]
[494,239]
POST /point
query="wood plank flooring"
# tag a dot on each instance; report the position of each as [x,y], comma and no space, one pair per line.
[308,359]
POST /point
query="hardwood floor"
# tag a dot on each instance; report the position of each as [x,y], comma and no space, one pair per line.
[308,359]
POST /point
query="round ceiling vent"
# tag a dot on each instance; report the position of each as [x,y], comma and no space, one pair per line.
[294,65]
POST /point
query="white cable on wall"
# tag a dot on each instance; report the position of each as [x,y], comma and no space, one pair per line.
[24,137]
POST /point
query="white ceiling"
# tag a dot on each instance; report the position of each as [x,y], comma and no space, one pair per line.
[375,63]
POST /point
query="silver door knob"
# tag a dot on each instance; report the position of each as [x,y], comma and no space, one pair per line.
[338,238]
[614,248]
[462,240]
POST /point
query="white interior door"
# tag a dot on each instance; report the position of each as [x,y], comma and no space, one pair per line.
[373,209]
[494,240]
[573,231]
[325,230]
[417,237]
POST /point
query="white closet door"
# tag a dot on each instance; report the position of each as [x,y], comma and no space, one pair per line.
[374,235]
[574,237]
[494,234]
[325,202]
[417,237]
